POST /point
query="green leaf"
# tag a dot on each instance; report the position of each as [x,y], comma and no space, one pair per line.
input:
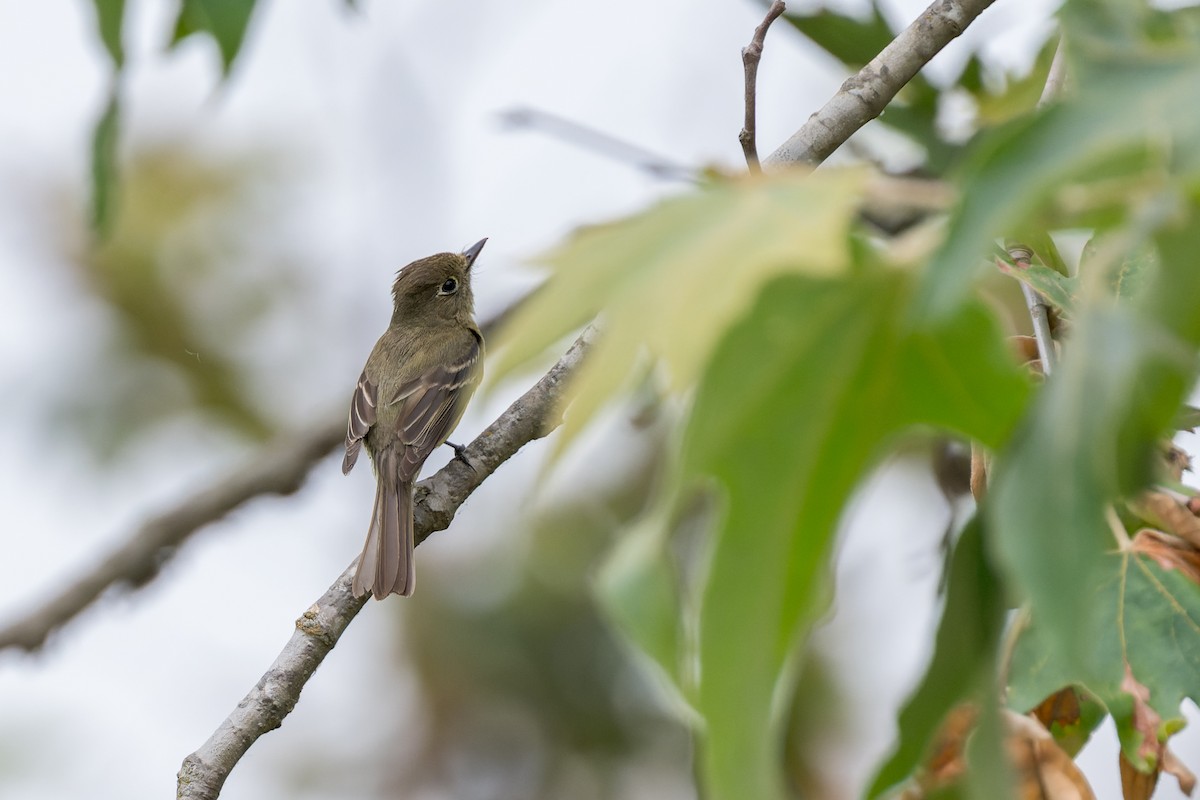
[1150,622]
[640,593]
[104,166]
[1092,438]
[224,20]
[670,280]
[963,656]
[110,15]
[798,401]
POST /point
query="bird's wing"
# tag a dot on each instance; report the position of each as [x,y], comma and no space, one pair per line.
[362,417]
[432,405]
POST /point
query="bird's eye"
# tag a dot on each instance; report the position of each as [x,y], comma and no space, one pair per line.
[449,287]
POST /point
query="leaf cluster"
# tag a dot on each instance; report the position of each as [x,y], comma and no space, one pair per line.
[806,348]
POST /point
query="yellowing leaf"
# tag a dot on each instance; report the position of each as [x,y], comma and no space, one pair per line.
[668,282]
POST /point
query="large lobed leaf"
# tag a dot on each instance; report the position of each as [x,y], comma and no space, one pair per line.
[799,400]
[672,279]
[1146,635]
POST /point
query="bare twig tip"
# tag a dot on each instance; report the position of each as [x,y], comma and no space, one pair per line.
[751,55]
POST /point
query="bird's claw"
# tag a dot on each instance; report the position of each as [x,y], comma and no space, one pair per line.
[460,454]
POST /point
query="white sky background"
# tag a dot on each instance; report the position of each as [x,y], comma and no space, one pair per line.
[393,112]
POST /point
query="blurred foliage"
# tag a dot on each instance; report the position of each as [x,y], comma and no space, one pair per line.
[530,694]
[817,404]
[104,165]
[804,357]
[653,274]
[183,276]
[110,19]
[995,96]
[223,20]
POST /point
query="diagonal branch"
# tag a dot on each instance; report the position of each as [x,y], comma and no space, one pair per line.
[532,416]
[864,96]
[751,55]
[280,467]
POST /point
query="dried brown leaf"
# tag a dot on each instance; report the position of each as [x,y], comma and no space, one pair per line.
[1170,552]
[1044,770]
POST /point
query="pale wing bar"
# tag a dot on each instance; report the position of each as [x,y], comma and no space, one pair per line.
[362,417]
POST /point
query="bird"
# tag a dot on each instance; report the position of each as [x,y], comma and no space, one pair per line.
[411,395]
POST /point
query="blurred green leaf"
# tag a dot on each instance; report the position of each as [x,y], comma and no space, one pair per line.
[1125,259]
[798,400]
[104,165]
[1107,32]
[1056,288]
[850,40]
[1098,422]
[963,658]
[1017,96]
[670,280]
[110,15]
[641,594]
[1022,169]
[990,775]
[177,270]
[224,20]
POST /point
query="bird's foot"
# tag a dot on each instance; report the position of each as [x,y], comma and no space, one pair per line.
[460,454]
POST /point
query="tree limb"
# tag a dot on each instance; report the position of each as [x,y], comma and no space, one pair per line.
[864,96]
[279,468]
[532,416]
[751,55]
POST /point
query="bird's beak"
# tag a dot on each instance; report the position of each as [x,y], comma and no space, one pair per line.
[472,252]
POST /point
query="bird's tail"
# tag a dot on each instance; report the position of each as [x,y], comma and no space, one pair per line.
[386,564]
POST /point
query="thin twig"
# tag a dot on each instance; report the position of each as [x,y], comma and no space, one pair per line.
[864,96]
[751,55]
[1039,312]
[598,142]
[533,415]
[280,468]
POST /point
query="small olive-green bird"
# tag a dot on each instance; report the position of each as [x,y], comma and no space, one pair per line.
[412,393]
